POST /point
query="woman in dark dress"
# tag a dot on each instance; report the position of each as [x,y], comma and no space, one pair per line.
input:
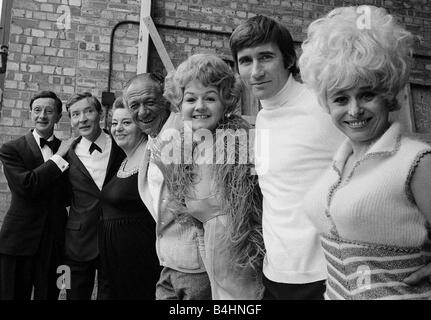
[127,231]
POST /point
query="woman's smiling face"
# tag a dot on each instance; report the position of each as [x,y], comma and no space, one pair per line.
[362,114]
[202,106]
[124,130]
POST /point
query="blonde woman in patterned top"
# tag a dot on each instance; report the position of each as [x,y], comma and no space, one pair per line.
[372,206]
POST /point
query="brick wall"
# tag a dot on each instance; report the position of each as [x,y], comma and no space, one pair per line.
[225,15]
[42,56]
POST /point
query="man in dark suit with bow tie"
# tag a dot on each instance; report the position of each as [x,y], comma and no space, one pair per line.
[32,234]
[94,158]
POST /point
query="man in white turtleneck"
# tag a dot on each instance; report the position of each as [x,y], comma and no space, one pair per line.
[302,140]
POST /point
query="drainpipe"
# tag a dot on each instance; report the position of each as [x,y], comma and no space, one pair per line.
[108,97]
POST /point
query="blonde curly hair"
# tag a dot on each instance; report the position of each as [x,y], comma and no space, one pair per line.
[354,46]
[211,71]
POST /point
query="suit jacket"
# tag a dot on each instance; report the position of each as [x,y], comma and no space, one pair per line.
[38,197]
[85,209]
[177,244]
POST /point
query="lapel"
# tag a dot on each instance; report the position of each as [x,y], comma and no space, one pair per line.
[174,121]
[35,150]
[143,188]
[115,156]
[75,159]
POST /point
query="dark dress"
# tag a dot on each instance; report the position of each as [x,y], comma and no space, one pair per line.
[127,241]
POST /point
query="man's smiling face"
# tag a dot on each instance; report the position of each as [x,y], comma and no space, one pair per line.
[146,103]
[263,70]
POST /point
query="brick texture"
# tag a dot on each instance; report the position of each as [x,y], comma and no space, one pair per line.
[44,55]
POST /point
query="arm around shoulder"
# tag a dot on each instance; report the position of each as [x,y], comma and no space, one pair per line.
[23,180]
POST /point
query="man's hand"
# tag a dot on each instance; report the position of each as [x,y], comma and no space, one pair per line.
[418,276]
[64,147]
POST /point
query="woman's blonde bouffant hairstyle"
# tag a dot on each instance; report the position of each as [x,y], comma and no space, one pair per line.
[211,71]
[356,46]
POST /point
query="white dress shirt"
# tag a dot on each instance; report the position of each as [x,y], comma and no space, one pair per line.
[48,154]
[96,163]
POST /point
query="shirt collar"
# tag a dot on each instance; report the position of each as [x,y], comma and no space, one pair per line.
[385,146]
[37,137]
[285,96]
[100,141]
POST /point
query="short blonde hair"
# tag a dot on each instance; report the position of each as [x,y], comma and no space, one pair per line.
[211,71]
[356,45]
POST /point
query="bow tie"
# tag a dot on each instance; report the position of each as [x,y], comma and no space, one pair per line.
[50,144]
[94,147]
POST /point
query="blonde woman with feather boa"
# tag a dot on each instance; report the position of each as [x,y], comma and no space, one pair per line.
[214,184]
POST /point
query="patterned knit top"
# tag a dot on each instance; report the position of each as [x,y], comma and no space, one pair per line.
[373,234]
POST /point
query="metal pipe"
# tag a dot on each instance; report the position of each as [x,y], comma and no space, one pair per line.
[180,28]
[158,25]
[111,47]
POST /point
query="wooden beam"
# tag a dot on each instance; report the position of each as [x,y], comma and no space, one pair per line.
[158,43]
[408,112]
[144,38]
[405,115]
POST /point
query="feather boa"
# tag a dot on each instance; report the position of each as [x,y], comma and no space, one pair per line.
[240,195]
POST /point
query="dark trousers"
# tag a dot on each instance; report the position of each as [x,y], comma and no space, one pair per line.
[293,291]
[19,275]
[82,279]
[177,285]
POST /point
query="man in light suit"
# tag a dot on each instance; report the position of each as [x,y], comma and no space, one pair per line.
[32,234]
[183,276]
[94,158]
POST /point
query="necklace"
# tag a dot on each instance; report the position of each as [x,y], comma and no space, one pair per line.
[125,173]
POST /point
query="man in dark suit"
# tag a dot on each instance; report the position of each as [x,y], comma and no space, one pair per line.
[32,234]
[94,158]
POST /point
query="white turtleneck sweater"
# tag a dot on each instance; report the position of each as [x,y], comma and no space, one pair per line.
[302,141]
